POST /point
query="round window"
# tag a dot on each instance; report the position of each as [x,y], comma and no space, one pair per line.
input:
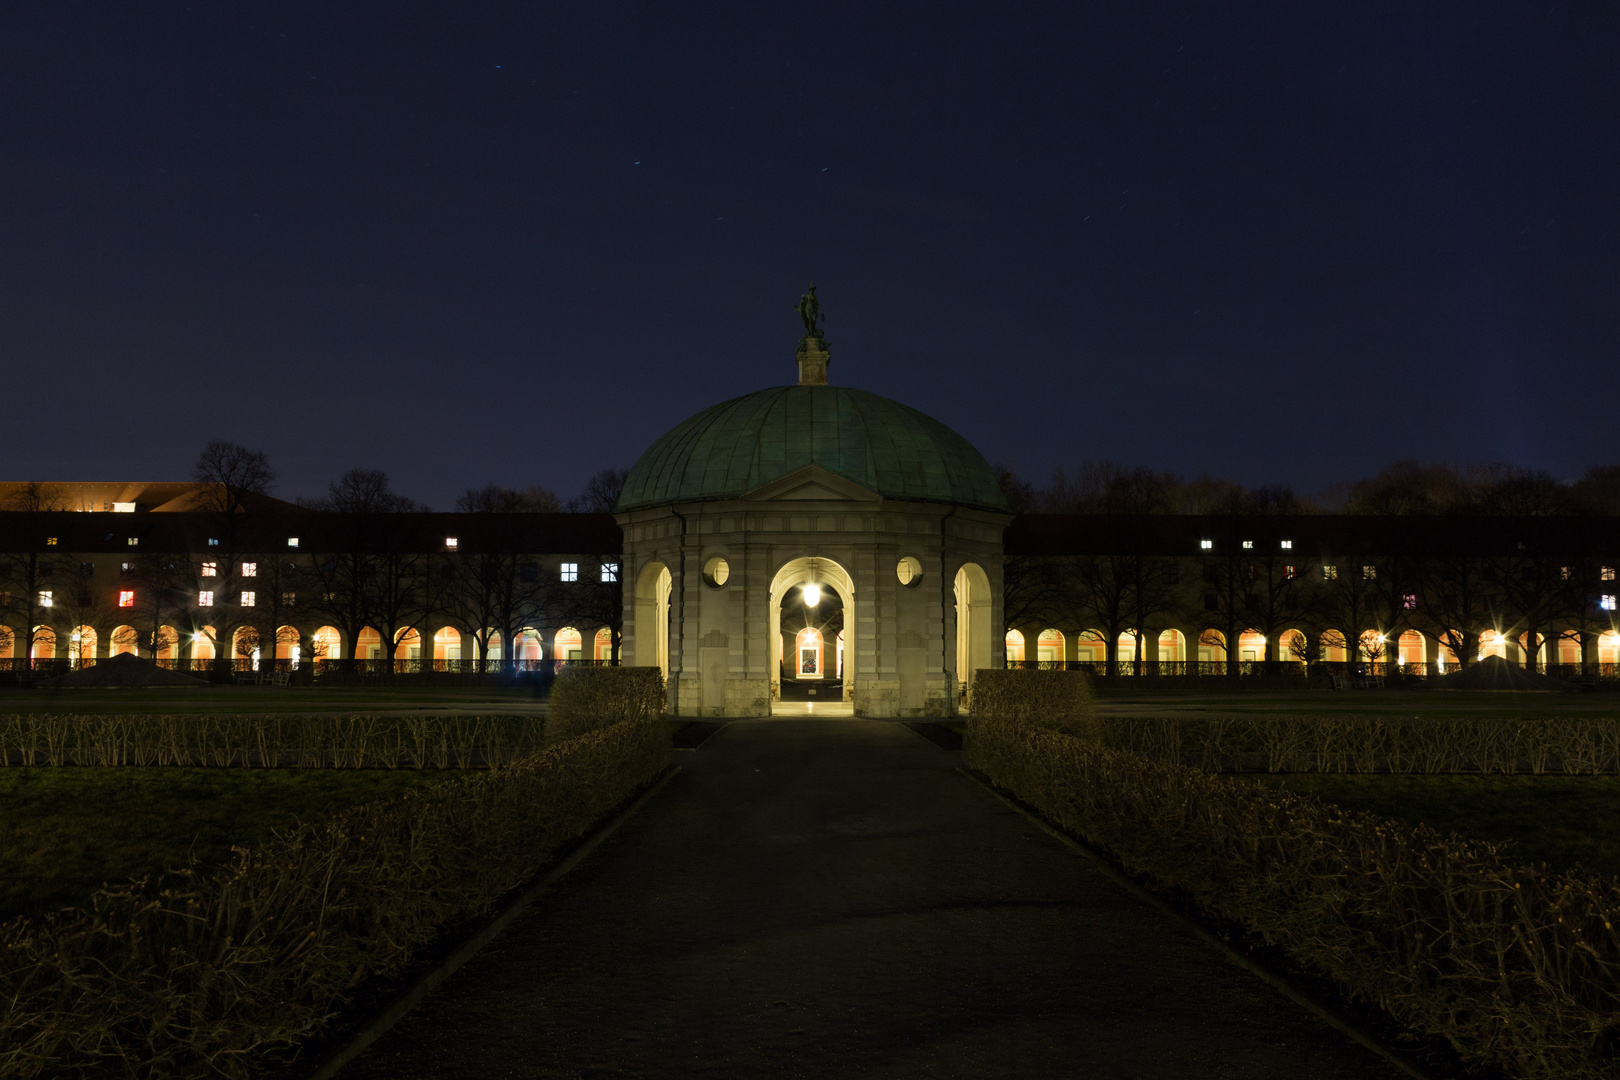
[716,572]
[909,572]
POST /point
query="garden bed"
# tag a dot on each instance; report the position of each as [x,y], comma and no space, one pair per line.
[64,832]
[1566,822]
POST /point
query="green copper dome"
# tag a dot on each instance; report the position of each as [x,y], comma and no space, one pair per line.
[728,450]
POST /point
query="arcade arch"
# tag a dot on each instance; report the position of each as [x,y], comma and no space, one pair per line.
[289,645]
[83,647]
[124,640]
[1172,646]
[44,647]
[818,573]
[326,644]
[973,632]
[568,645]
[1015,646]
[651,645]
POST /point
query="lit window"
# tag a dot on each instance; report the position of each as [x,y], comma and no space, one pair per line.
[212,542]
[1369,573]
[126,598]
[126,567]
[248,598]
[1563,573]
[610,572]
[44,598]
[1206,544]
[1288,545]
[570,571]
[132,541]
[450,542]
[1290,572]
[123,508]
[292,541]
[250,569]
[1409,601]
[210,569]
[205,598]
[1248,545]
[50,541]
[1330,573]
[289,599]
[1606,573]
[1607,603]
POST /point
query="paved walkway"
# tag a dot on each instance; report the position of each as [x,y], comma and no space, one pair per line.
[830,898]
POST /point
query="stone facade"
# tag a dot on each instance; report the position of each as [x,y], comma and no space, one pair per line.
[903,654]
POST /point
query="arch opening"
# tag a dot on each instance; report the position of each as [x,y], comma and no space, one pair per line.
[816,593]
[973,628]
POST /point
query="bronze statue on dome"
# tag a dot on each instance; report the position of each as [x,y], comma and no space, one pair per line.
[809,309]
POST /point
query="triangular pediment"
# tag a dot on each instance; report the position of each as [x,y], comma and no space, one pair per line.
[812,484]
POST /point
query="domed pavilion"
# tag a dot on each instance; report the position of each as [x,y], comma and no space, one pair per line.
[813,548]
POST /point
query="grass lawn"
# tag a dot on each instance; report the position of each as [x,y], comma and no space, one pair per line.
[66,831]
[1564,821]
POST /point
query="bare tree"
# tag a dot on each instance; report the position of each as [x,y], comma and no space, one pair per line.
[229,475]
[601,492]
[369,578]
[494,499]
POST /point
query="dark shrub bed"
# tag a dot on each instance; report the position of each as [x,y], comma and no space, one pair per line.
[225,973]
[1517,967]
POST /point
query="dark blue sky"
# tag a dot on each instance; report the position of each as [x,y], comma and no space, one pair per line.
[515,243]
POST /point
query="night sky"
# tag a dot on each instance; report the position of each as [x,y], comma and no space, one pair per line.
[487,243]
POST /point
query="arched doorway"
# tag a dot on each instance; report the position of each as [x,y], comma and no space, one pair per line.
[603,649]
[651,644]
[808,592]
[810,618]
[973,626]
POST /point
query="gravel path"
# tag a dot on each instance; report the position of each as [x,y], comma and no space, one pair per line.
[830,898]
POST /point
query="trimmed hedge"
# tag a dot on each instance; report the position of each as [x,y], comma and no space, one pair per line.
[304,742]
[1059,700]
[226,973]
[1574,746]
[1517,967]
[586,698]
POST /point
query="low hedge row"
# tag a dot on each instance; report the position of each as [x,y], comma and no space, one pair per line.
[1575,746]
[1517,967]
[226,973]
[269,741]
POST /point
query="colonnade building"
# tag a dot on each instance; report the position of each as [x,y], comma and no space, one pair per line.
[807,547]
[285,586]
